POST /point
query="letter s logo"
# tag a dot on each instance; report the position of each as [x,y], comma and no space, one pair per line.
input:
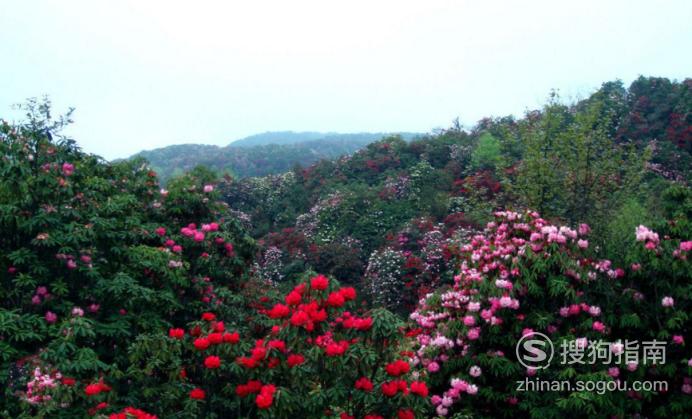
[534,353]
[535,350]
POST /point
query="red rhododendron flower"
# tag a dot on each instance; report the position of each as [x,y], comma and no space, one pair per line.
[212,362]
[278,311]
[405,414]
[320,282]
[96,388]
[318,316]
[92,389]
[231,337]
[403,386]
[215,338]
[68,381]
[208,316]
[277,344]
[363,324]
[265,398]
[336,348]
[201,343]
[364,383]
[264,401]
[259,353]
[299,318]
[419,388]
[131,412]
[247,362]
[219,327]
[371,416]
[251,387]
[358,323]
[293,298]
[390,388]
[197,394]
[295,359]
[345,415]
[397,368]
[349,293]
[176,333]
[335,299]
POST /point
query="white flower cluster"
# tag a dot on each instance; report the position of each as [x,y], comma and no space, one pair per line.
[383,277]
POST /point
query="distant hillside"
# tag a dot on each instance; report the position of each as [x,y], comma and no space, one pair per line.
[261,154]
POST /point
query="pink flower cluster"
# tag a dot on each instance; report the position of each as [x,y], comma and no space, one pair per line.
[644,234]
[41,296]
[192,232]
[198,235]
[457,388]
[494,258]
[67,169]
[681,252]
[37,389]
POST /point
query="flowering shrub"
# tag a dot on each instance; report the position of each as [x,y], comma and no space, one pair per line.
[416,260]
[95,256]
[525,275]
[383,278]
[314,357]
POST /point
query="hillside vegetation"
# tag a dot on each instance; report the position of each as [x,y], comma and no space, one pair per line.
[393,282]
[258,155]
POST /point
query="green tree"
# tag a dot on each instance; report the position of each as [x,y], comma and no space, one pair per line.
[487,154]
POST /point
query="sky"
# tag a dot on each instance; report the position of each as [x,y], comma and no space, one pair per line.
[146,74]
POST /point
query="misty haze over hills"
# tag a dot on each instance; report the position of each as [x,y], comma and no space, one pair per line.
[261,154]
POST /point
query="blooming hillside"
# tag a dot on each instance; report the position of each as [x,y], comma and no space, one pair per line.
[389,285]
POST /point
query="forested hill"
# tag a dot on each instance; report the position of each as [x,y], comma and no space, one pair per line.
[261,154]
[611,159]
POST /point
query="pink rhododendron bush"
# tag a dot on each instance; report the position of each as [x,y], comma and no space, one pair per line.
[524,276]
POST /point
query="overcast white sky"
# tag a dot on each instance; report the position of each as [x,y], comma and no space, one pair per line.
[145,74]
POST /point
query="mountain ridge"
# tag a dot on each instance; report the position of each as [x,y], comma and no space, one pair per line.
[261,154]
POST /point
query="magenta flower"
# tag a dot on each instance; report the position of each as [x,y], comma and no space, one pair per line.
[51,317]
[67,169]
[598,326]
[433,367]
